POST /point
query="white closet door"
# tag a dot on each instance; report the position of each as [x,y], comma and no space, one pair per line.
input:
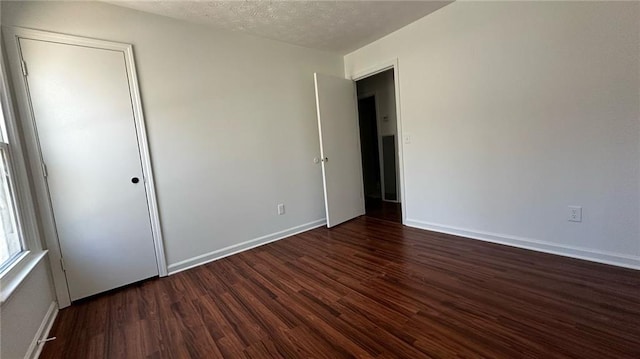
[85,126]
[340,148]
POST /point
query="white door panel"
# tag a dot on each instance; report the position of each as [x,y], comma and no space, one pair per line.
[340,148]
[86,131]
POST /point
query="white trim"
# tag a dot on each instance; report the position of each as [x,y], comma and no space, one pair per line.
[632,262]
[241,247]
[12,36]
[374,70]
[43,332]
[34,34]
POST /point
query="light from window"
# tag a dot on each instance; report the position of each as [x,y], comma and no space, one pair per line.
[10,242]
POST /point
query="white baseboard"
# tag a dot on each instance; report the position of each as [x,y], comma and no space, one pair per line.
[615,259]
[43,332]
[240,247]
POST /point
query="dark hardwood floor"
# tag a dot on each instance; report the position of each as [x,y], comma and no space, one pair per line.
[377,208]
[368,288]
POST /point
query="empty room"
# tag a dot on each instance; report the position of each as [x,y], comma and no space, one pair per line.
[320,179]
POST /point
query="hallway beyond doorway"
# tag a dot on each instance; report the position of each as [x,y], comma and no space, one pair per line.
[388,211]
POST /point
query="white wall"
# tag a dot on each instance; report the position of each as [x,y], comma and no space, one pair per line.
[24,312]
[230,118]
[515,111]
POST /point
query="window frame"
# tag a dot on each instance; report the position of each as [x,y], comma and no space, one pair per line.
[14,273]
[5,151]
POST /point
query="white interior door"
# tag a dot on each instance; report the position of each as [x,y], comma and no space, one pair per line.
[340,148]
[84,120]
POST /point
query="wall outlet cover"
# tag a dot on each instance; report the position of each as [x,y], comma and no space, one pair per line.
[575,214]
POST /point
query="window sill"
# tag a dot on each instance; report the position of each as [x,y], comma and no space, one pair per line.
[14,276]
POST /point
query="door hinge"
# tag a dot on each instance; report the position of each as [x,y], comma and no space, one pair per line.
[64,269]
[24,67]
[45,173]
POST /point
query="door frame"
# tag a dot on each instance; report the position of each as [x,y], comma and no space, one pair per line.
[374,70]
[34,155]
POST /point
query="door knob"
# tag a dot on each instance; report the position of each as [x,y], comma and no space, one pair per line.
[135,180]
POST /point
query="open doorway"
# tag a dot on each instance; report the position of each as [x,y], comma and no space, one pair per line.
[379,145]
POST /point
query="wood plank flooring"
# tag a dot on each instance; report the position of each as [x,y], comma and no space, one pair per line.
[370,289]
[389,211]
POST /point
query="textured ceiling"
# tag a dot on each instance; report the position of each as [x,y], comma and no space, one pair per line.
[337,26]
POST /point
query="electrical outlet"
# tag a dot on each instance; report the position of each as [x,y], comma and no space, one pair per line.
[575,214]
[281,209]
